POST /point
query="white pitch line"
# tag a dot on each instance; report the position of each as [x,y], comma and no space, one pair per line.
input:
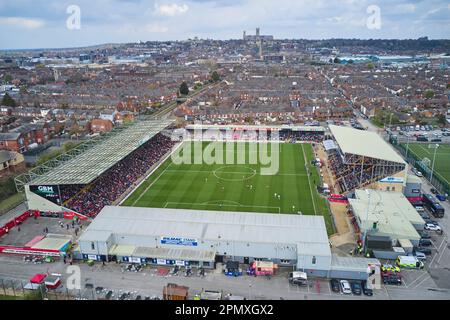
[309,181]
[150,185]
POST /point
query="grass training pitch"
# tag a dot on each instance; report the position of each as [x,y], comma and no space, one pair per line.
[237,187]
[442,162]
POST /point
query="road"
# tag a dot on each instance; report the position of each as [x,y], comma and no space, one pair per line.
[148,283]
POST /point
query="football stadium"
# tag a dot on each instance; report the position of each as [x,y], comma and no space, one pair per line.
[149,189]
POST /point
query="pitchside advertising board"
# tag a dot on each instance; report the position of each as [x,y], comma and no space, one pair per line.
[179,241]
[50,193]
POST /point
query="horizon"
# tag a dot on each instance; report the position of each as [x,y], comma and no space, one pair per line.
[52,24]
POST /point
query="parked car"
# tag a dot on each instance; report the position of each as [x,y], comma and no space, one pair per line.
[433,191]
[334,284]
[425,251]
[425,215]
[356,288]
[345,287]
[432,227]
[424,235]
[392,279]
[425,242]
[420,256]
[367,292]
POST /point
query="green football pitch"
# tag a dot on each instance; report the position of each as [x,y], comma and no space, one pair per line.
[442,161]
[239,186]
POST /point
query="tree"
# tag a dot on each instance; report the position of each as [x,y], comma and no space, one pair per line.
[429,94]
[441,119]
[8,78]
[8,101]
[184,89]
[370,66]
[215,76]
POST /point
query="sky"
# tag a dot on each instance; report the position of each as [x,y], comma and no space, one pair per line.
[73,23]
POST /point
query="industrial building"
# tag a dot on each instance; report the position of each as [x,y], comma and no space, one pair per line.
[389,216]
[203,238]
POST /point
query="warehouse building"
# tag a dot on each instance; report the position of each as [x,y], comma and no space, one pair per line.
[391,221]
[201,238]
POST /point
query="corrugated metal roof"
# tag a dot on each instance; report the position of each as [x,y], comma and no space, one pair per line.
[393,212]
[210,225]
[364,143]
[89,165]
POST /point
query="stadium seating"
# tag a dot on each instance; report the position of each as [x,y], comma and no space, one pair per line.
[107,188]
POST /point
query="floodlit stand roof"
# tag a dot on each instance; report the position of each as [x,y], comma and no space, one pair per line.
[89,165]
[364,143]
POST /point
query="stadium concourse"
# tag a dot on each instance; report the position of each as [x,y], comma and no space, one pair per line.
[100,175]
[361,159]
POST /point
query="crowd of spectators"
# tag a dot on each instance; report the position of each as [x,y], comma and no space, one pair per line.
[351,176]
[107,188]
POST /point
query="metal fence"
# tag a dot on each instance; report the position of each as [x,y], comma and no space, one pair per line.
[437,181]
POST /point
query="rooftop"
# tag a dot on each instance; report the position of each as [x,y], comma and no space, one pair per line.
[364,143]
[211,225]
[393,212]
[87,166]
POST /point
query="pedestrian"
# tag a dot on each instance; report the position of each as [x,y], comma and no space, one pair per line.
[18,228]
[7,231]
[103,263]
[76,232]
[81,226]
[64,260]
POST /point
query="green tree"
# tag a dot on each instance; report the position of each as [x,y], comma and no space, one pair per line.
[441,119]
[370,66]
[215,76]
[184,89]
[8,101]
[429,94]
[8,78]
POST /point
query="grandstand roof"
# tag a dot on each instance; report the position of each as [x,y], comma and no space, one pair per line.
[364,143]
[87,166]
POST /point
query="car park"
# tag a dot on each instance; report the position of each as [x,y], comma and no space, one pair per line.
[345,287]
[334,284]
[356,288]
[367,291]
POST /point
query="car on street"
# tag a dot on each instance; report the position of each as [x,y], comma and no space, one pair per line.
[345,287]
[433,191]
[366,290]
[356,288]
[334,284]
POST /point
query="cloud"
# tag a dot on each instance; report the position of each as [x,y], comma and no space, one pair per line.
[22,22]
[171,10]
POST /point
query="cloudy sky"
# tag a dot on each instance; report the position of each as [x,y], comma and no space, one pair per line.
[56,23]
